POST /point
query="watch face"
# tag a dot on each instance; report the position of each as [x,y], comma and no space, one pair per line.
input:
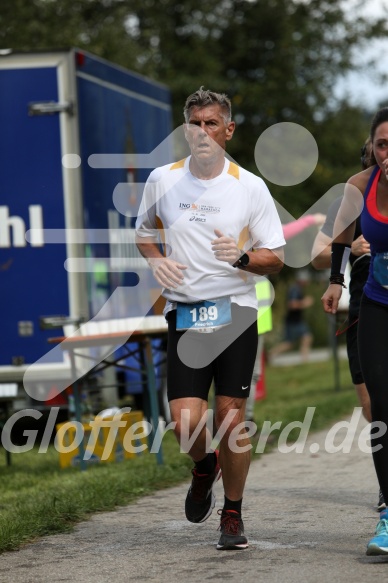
[244,260]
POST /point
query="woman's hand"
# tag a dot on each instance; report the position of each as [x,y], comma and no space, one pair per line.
[360,246]
[331,297]
[385,168]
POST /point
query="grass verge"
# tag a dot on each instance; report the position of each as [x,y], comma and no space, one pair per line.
[38,498]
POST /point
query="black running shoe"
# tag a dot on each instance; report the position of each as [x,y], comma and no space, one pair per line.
[200,499]
[381,503]
[232,531]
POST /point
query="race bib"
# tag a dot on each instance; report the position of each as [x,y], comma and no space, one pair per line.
[205,316]
[380,269]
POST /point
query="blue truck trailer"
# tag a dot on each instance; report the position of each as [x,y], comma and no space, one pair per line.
[59,111]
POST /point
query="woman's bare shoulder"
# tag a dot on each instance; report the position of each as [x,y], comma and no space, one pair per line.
[361,179]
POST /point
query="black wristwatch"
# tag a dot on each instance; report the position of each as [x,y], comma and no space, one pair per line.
[242,261]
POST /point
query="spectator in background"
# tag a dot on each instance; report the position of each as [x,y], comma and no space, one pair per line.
[296,328]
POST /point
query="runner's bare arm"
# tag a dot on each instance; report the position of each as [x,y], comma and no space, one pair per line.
[265,261]
[344,228]
[261,261]
[321,252]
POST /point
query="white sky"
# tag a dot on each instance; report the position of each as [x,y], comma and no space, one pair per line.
[363,88]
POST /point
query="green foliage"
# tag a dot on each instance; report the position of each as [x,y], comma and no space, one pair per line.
[98,26]
[290,390]
[39,499]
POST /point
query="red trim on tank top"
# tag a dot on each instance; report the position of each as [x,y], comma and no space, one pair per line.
[371,201]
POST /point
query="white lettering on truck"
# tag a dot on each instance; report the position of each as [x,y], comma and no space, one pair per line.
[13,228]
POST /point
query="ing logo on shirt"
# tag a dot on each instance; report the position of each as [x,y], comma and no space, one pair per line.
[202,208]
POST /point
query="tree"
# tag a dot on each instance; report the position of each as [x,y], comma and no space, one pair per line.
[95,25]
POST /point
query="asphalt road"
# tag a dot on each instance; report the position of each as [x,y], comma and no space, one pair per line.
[308,517]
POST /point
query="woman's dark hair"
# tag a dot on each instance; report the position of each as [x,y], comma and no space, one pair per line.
[380,117]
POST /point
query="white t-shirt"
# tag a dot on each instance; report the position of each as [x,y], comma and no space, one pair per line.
[182,211]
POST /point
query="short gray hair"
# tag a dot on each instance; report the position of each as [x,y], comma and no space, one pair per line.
[204,97]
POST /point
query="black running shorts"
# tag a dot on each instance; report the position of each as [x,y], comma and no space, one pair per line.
[228,356]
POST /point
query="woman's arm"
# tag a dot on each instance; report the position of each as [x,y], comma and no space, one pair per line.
[344,228]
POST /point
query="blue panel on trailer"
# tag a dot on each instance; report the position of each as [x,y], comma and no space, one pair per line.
[33,281]
[116,119]
[114,74]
